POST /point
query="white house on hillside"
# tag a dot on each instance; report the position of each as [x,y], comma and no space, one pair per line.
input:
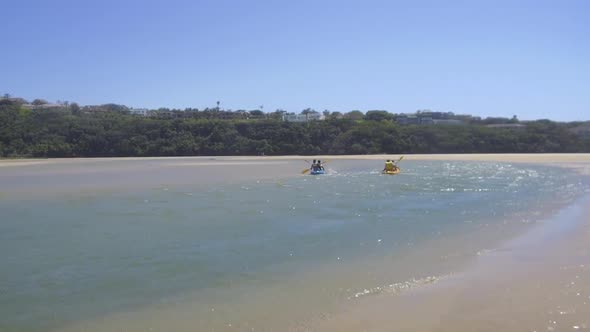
[303,117]
[139,111]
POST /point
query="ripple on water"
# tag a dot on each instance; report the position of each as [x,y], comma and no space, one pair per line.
[210,238]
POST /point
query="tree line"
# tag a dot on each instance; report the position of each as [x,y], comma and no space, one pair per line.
[68,131]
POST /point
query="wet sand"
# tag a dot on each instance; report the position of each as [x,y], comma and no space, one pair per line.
[537,282]
[579,161]
[25,175]
[512,157]
[118,174]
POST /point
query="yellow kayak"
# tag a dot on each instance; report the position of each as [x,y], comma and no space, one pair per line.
[392,172]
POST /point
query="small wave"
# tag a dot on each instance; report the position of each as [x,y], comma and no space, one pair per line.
[475,189]
[399,287]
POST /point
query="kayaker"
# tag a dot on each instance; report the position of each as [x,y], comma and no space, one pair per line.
[390,166]
[320,166]
[313,165]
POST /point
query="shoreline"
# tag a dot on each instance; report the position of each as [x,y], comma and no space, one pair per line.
[579,162]
[510,157]
[70,175]
[536,281]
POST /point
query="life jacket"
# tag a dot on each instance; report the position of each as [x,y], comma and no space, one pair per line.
[389,166]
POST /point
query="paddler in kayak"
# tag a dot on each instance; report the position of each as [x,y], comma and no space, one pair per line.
[320,165]
[390,166]
[317,166]
[313,165]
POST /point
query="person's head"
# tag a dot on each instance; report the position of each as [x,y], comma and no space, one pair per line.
[314,161]
[388,160]
[319,161]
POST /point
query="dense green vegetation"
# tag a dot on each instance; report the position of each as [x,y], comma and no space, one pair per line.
[70,131]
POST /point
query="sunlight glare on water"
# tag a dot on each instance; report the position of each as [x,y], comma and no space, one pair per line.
[316,240]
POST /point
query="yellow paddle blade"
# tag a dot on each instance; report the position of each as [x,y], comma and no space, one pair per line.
[305,171]
[400,159]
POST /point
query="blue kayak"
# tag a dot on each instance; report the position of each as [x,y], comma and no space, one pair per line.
[317,171]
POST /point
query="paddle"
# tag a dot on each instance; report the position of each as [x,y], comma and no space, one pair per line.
[395,162]
[308,169]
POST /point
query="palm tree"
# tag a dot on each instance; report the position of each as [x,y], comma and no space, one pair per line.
[306,112]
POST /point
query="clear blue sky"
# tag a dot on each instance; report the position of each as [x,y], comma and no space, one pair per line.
[487,58]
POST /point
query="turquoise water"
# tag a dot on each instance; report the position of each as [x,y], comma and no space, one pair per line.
[81,255]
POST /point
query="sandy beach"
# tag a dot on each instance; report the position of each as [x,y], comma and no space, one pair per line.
[539,281]
[155,171]
[576,160]
[511,157]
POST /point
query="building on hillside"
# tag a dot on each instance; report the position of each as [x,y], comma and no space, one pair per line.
[427,117]
[139,111]
[167,114]
[303,117]
[43,106]
[448,122]
[404,119]
[426,120]
[94,109]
